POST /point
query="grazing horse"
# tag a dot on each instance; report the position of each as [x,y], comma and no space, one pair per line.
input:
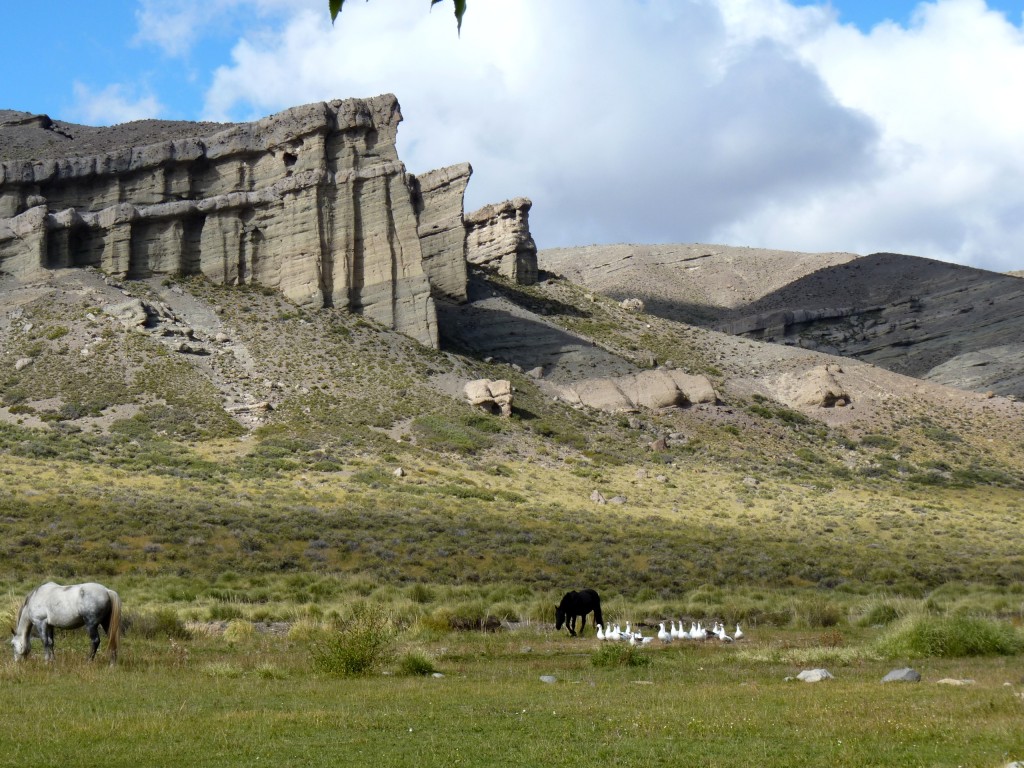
[51,605]
[578,604]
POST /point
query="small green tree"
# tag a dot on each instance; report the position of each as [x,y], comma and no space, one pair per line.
[460,9]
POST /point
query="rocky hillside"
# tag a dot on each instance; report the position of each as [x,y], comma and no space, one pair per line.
[245,355]
[931,320]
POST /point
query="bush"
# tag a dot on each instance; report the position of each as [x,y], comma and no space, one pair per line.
[362,644]
[880,614]
[616,655]
[163,622]
[238,629]
[926,636]
[818,612]
[416,664]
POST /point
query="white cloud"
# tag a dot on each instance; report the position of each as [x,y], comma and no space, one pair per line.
[113,104]
[752,122]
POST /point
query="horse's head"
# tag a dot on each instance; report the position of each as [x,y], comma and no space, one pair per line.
[20,645]
[559,617]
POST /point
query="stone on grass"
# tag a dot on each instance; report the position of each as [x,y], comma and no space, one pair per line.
[548,679]
[905,675]
[814,675]
[955,681]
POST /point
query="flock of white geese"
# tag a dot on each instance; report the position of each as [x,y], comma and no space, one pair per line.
[696,632]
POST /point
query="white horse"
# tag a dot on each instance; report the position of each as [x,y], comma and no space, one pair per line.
[51,605]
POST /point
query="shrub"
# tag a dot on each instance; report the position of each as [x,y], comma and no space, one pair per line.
[925,636]
[416,664]
[880,614]
[238,629]
[616,655]
[363,643]
[163,622]
[818,612]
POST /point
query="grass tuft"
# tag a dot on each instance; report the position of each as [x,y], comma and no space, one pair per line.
[928,636]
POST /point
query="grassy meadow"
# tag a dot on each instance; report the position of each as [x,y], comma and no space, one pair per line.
[289,593]
[246,697]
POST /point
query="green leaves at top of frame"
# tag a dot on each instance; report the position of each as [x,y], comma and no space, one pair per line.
[460,10]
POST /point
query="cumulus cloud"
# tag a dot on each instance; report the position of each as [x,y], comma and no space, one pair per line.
[751,122]
[113,104]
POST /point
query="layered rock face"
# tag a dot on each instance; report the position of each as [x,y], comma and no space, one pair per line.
[498,238]
[313,201]
[437,197]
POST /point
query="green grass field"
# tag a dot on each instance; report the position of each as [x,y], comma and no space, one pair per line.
[255,698]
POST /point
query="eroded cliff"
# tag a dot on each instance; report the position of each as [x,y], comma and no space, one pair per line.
[313,201]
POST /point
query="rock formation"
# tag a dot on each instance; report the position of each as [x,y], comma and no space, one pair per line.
[493,396]
[312,201]
[659,388]
[498,238]
[438,199]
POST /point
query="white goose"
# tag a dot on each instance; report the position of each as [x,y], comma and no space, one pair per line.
[664,635]
[720,634]
[600,632]
[738,633]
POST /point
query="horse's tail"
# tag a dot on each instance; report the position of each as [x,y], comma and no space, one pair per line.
[114,628]
[598,618]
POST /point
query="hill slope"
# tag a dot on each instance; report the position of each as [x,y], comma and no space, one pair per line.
[154,445]
[942,322]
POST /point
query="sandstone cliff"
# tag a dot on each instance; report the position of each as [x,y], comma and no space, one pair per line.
[498,238]
[312,201]
[438,197]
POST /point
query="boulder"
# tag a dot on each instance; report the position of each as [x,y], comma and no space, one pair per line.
[820,387]
[905,675]
[131,313]
[814,675]
[493,396]
[655,389]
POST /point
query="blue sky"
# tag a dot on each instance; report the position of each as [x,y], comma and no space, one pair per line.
[844,126]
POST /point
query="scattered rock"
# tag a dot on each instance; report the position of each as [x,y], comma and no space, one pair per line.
[399,472]
[597,497]
[658,446]
[751,482]
[905,675]
[661,388]
[260,407]
[536,373]
[632,305]
[131,313]
[814,675]
[821,388]
[617,500]
[493,396]
[22,362]
[437,675]
[548,679]
[222,338]
[955,681]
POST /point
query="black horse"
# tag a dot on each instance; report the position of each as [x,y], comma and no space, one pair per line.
[578,604]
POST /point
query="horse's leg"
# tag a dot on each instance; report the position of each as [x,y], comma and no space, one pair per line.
[46,633]
[583,623]
[571,623]
[94,635]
